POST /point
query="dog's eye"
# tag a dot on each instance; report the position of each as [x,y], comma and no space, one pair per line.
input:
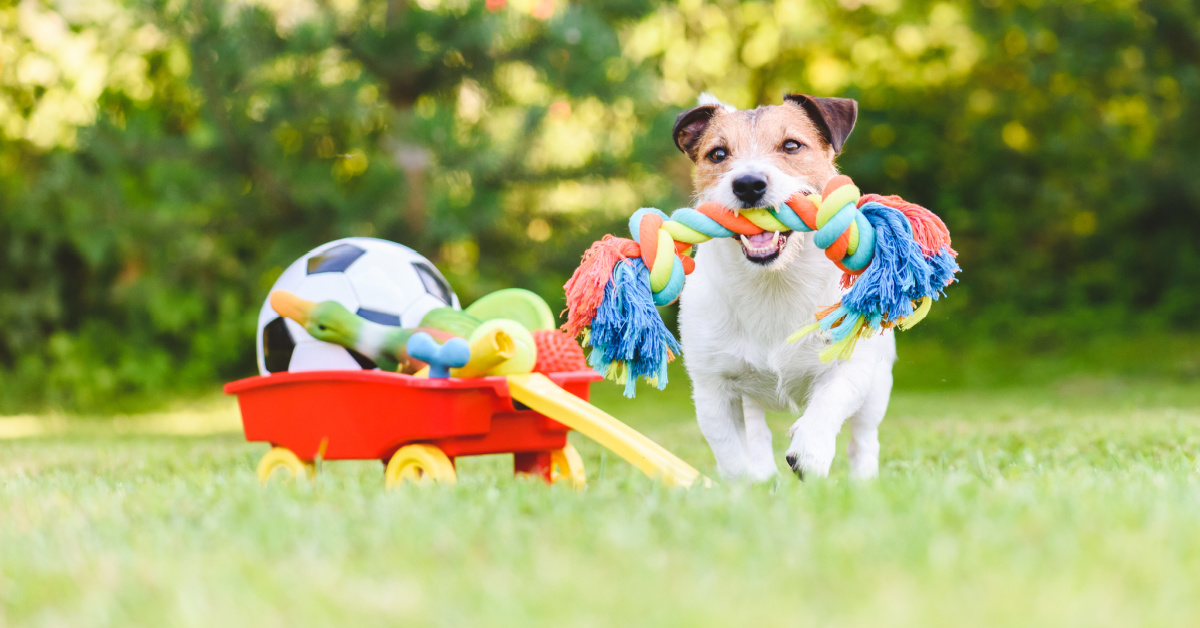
[717,155]
[792,146]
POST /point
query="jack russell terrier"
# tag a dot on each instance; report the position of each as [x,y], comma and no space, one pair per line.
[747,295]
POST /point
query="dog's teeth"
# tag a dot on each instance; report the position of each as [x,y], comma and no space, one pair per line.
[746,242]
[775,239]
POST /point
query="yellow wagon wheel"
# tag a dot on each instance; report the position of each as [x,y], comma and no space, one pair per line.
[282,459]
[566,465]
[419,464]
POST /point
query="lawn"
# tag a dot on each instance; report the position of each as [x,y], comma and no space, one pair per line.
[1072,502]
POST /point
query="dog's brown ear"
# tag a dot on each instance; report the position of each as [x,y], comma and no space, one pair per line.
[690,125]
[834,116]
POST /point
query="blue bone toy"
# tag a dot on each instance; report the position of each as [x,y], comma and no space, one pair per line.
[441,358]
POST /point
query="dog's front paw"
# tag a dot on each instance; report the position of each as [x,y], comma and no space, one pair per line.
[754,474]
[763,472]
[806,465]
[810,455]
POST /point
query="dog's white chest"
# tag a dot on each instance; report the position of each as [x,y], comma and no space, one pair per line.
[778,376]
[734,323]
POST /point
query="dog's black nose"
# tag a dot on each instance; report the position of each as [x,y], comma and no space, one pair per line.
[749,189]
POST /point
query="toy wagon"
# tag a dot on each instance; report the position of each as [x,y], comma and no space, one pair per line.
[417,426]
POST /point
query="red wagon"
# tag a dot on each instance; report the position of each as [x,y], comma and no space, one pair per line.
[416,425]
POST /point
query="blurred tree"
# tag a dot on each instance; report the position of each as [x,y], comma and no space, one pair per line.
[1053,138]
[153,194]
[163,161]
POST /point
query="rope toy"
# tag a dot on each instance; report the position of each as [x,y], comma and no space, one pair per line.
[895,257]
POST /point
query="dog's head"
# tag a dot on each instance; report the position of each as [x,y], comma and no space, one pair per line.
[761,157]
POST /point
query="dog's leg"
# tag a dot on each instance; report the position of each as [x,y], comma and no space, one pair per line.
[835,397]
[719,413]
[760,456]
[862,450]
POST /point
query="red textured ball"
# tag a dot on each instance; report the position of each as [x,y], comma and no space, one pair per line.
[557,352]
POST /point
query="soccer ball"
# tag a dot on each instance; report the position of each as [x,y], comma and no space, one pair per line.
[382,281]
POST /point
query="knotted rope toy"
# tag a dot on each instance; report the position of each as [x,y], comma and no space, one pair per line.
[895,256]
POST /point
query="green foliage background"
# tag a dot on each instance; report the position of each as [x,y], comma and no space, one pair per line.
[162,161]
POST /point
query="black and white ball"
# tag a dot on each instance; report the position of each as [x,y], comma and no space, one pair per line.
[382,281]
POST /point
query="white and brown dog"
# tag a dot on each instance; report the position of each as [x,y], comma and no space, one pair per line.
[747,295]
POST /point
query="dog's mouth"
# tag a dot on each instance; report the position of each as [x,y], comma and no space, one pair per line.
[763,248]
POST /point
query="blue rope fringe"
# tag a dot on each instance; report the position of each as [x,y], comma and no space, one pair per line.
[899,274]
[628,336]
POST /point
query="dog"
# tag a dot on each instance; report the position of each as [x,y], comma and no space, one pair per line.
[748,294]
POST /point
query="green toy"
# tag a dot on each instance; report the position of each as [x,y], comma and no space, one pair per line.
[523,306]
[330,321]
[498,331]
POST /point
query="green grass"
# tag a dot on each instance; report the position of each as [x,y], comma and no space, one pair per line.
[1068,504]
